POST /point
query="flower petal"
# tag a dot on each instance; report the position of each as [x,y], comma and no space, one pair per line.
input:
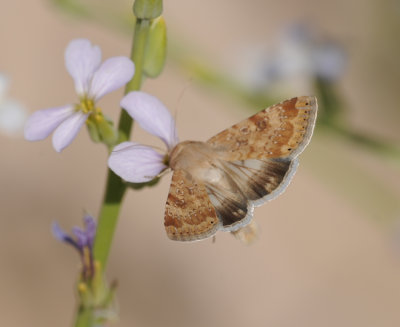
[67,131]
[136,163]
[111,75]
[43,122]
[82,59]
[90,229]
[62,236]
[151,115]
[81,237]
[58,232]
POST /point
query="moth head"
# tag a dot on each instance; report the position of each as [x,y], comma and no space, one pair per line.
[176,153]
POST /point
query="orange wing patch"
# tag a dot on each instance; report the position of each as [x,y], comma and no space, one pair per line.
[189,214]
[281,130]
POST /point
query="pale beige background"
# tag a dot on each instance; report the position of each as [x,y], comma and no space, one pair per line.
[321,259]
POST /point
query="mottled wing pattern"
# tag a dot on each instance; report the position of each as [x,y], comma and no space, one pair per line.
[259,156]
[189,214]
[281,130]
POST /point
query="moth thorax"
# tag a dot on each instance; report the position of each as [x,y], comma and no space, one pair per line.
[191,156]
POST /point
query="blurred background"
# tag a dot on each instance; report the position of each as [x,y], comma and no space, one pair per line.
[328,253]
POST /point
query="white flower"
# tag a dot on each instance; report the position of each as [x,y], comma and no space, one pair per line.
[138,163]
[93,80]
[12,113]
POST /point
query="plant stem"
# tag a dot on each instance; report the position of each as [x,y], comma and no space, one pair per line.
[140,37]
[84,317]
[115,187]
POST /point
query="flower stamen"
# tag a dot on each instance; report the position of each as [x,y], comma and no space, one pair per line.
[86,106]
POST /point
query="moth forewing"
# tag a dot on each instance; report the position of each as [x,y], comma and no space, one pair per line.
[189,214]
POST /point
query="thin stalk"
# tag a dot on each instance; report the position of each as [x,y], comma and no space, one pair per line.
[115,187]
[84,317]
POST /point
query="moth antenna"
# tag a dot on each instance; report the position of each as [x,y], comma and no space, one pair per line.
[180,97]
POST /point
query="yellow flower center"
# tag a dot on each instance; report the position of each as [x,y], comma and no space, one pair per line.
[87,106]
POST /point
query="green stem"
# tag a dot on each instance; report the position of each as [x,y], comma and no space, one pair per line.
[84,317]
[115,187]
[140,37]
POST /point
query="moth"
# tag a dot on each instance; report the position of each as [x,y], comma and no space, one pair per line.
[217,184]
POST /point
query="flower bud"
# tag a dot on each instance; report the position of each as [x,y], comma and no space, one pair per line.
[93,131]
[108,134]
[102,129]
[147,9]
[156,48]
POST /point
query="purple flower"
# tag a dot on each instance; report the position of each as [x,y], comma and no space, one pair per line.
[93,80]
[138,163]
[82,240]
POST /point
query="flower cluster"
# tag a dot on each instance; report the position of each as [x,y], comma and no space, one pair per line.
[133,162]
[92,288]
[92,80]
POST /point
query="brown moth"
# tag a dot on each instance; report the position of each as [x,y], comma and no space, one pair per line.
[216,184]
